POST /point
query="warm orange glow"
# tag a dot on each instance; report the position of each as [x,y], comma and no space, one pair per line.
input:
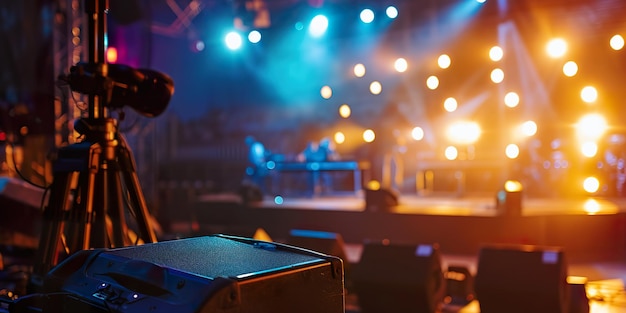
[345,111]
[112,55]
[340,138]
[513,186]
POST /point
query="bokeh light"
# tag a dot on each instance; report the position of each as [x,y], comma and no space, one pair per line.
[497,75]
[570,69]
[556,48]
[511,99]
[496,53]
[359,70]
[450,104]
[345,111]
[326,92]
[512,151]
[376,88]
[391,11]
[444,61]
[617,42]
[432,82]
[369,135]
[417,133]
[401,65]
[589,94]
[367,16]
[451,153]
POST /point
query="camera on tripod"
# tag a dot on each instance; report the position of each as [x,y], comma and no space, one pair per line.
[146,91]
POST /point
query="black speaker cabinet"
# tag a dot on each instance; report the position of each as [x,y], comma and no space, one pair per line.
[522,278]
[321,241]
[380,200]
[399,278]
[216,273]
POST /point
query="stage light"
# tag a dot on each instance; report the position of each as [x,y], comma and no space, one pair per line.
[463,132]
[511,99]
[570,69]
[318,26]
[369,135]
[451,153]
[497,75]
[617,42]
[512,151]
[528,128]
[432,82]
[367,16]
[359,70]
[450,104]
[591,184]
[392,12]
[496,53]
[444,61]
[279,200]
[345,111]
[254,36]
[417,133]
[556,48]
[589,149]
[376,88]
[112,55]
[401,65]
[339,138]
[326,92]
[591,127]
[233,40]
[589,94]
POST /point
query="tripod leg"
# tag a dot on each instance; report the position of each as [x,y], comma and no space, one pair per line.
[54,217]
[136,197]
[115,208]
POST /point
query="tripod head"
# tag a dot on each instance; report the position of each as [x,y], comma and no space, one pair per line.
[114,86]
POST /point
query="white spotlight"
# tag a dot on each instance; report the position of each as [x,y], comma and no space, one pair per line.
[367,16]
[318,26]
[233,40]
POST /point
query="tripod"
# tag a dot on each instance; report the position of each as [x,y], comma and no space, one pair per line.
[94,182]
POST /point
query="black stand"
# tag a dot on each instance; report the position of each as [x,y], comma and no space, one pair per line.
[94,182]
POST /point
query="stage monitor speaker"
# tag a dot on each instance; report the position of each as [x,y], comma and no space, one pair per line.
[522,278]
[217,273]
[380,200]
[323,242]
[399,278]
